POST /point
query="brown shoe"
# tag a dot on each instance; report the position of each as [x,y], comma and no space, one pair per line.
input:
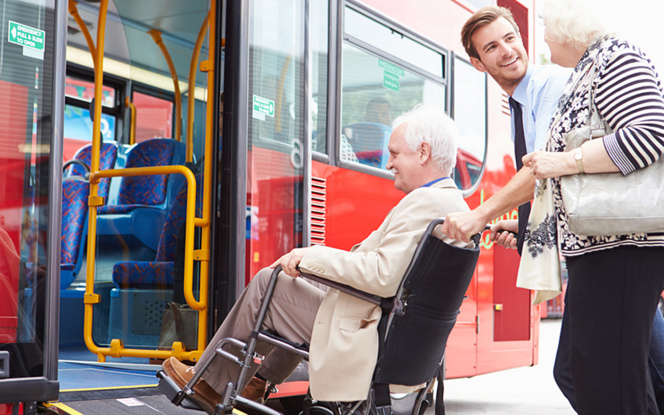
[255,390]
[204,396]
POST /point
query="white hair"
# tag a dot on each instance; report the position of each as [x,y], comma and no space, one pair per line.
[577,23]
[430,124]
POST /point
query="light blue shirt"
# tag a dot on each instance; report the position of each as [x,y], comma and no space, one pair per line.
[538,94]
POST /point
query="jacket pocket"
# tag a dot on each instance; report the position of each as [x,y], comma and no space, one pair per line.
[353,324]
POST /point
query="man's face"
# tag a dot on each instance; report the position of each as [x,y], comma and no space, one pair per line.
[501,53]
[404,162]
[380,113]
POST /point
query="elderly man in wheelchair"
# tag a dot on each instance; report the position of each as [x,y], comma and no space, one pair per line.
[340,330]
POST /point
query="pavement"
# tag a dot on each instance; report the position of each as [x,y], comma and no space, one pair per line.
[527,390]
[521,391]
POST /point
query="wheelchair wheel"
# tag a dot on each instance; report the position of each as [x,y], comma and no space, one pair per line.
[292,405]
[320,410]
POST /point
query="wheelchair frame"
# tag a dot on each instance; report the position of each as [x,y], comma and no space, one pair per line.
[231,397]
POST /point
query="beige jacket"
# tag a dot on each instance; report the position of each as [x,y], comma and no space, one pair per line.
[344,344]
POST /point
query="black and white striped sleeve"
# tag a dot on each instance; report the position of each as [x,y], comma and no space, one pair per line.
[629,98]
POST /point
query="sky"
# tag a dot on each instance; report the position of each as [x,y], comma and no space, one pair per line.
[642,23]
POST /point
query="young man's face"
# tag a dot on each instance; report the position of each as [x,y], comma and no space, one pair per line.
[501,53]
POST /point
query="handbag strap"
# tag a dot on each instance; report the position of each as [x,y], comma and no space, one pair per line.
[598,126]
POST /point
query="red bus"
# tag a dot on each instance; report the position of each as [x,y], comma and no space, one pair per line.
[131,90]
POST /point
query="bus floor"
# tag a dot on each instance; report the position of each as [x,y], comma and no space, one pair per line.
[129,386]
[117,386]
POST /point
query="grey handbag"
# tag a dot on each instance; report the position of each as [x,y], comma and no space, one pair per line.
[610,203]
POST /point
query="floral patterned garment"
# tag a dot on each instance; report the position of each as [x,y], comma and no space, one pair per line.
[629,97]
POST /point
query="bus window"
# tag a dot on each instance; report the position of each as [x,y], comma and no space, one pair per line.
[84,91]
[470,117]
[384,74]
[319,45]
[78,124]
[154,117]
[360,28]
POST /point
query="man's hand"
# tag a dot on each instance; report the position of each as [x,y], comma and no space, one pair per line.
[290,262]
[504,232]
[461,226]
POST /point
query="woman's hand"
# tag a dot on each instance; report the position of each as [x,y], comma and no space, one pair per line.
[546,164]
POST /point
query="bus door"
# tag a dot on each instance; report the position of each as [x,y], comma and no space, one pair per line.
[264,156]
[139,270]
[31,87]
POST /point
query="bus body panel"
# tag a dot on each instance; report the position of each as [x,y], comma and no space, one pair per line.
[497,327]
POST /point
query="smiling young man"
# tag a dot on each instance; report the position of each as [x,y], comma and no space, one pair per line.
[491,39]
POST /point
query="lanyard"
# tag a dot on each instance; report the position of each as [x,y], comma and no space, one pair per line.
[434,181]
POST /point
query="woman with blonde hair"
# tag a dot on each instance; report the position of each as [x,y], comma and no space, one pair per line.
[617,279]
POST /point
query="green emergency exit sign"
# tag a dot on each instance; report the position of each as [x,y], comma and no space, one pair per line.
[263,106]
[27,36]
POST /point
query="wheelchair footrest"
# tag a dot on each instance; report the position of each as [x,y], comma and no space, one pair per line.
[173,392]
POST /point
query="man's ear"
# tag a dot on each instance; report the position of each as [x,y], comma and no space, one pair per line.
[477,64]
[424,152]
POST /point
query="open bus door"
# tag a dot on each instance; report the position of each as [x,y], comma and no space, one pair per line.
[264,189]
[31,80]
[132,230]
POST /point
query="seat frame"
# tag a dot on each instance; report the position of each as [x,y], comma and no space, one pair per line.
[392,306]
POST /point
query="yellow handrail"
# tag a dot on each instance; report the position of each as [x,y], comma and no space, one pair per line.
[280,94]
[207,184]
[73,10]
[192,87]
[156,35]
[117,348]
[94,200]
[132,121]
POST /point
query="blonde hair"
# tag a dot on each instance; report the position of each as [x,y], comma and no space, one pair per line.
[426,123]
[576,23]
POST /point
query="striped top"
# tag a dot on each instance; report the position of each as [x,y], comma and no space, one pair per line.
[630,98]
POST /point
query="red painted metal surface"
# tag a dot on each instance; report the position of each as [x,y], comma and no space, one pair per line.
[14,158]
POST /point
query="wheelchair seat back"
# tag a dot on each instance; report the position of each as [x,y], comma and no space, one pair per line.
[431,294]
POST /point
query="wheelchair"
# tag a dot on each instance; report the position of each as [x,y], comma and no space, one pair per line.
[425,308]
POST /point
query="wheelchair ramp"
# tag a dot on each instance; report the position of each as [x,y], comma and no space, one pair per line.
[141,405]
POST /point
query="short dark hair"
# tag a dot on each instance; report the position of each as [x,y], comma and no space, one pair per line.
[481,18]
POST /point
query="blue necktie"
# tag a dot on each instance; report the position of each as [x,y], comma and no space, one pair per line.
[519,152]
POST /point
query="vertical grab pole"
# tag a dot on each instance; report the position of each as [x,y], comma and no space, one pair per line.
[94,200]
[207,66]
[132,122]
[73,10]
[192,88]
[156,35]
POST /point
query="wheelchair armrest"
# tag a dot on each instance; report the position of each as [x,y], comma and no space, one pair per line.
[374,299]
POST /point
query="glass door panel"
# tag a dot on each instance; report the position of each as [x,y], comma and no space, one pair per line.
[26,114]
[276,131]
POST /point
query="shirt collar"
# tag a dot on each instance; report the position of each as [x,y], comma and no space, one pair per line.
[520,93]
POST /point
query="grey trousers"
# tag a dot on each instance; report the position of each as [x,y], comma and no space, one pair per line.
[291,315]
